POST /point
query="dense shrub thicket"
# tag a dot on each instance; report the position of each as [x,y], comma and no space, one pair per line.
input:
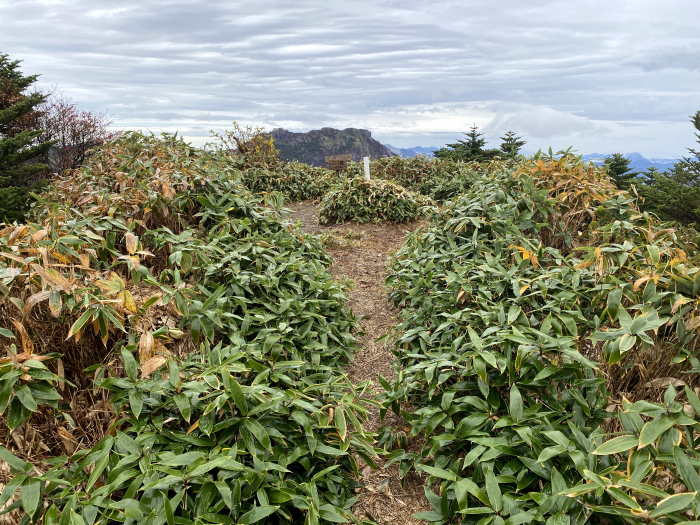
[416,174]
[216,337]
[509,298]
[376,200]
[294,180]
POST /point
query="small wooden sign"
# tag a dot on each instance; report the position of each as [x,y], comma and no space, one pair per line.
[338,162]
[344,156]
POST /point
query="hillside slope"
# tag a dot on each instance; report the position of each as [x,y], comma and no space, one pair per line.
[313,146]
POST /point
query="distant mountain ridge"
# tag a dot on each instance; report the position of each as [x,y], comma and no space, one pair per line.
[637,161]
[412,152]
[313,146]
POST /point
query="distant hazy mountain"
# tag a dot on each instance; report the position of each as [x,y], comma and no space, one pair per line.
[313,146]
[637,161]
[412,152]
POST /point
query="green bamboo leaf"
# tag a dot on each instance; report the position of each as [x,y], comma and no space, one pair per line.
[130,365]
[196,329]
[257,514]
[8,382]
[624,498]
[169,514]
[225,492]
[179,460]
[675,503]
[99,468]
[9,490]
[688,473]
[259,432]
[617,445]
[24,394]
[80,323]
[614,299]
[516,404]
[238,396]
[173,373]
[692,396]
[136,401]
[578,490]
[653,429]
[183,404]
[438,472]
[550,452]
[466,486]
[340,423]
[6,333]
[12,460]
[493,490]
[520,518]
[30,491]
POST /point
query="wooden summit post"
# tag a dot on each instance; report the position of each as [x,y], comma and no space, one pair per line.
[338,162]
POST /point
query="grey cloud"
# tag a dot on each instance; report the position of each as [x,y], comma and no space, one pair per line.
[412,72]
[683,56]
[543,123]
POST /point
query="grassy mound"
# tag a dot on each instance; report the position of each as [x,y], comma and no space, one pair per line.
[357,199]
[436,178]
[509,298]
[199,339]
[294,180]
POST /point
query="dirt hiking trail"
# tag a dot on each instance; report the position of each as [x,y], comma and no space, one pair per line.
[360,253]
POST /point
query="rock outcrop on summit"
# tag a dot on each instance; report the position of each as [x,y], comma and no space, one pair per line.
[313,146]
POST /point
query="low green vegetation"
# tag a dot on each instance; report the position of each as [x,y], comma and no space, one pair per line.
[211,326]
[357,199]
[435,178]
[294,180]
[519,300]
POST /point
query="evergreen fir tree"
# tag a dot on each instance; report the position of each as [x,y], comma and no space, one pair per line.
[511,144]
[675,195]
[618,168]
[468,150]
[20,149]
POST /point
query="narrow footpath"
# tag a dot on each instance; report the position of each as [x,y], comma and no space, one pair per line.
[361,252]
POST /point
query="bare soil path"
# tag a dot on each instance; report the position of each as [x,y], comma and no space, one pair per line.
[364,261]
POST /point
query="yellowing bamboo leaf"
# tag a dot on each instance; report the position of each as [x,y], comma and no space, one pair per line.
[39,235]
[461,296]
[192,428]
[35,299]
[129,302]
[27,344]
[639,282]
[693,323]
[58,278]
[131,243]
[152,364]
[146,346]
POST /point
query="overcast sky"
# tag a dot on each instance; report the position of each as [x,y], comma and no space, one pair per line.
[599,75]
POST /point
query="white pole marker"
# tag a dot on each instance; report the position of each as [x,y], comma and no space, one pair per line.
[366,161]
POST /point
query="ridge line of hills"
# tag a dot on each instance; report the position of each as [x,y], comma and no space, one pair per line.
[311,147]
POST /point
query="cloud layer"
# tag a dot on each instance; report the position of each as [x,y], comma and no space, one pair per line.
[599,75]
